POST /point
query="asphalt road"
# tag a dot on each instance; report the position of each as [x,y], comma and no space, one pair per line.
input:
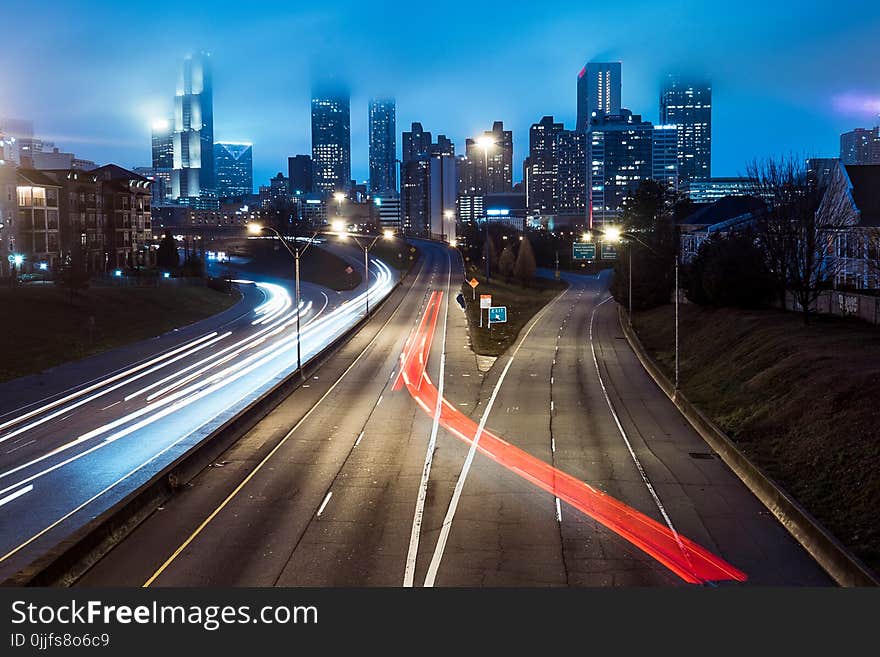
[370,475]
[101,428]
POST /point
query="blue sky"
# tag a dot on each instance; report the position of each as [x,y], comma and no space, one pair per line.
[788,77]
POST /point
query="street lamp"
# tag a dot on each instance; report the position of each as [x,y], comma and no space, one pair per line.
[614,234]
[296,252]
[339,197]
[486,142]
[386,234]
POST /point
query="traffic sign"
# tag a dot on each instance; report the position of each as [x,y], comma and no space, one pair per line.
[497,315]
[485,301]
[609,251]
[473,282]
[583,251]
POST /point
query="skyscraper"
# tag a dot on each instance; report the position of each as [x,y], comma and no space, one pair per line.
[598,90]
[860,146]
[192,178]
[331,139]
[620,157]
[492,155]
[541,166]
[688,104]
[383,147]
[163,145]
[665,155]
[571,174]
[234,168]
[428,183]
[300,173]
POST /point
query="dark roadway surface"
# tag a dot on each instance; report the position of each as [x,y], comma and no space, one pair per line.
[323,491]
[79,437]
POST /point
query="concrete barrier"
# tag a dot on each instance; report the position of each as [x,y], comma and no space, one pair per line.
[72,557]
[844,567]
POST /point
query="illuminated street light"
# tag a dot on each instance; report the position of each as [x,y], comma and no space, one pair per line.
[612,234]
[587,236]
[296,252]
[388,234]
[17,259]
[338,226]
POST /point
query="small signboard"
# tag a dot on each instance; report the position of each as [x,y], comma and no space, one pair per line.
[497,314]
[583,251]
[473,282]
[609,251]
[485,301]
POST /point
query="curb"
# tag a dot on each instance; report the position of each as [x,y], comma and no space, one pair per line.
[69,559]
[843,566]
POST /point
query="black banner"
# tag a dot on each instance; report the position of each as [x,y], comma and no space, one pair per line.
[258,621]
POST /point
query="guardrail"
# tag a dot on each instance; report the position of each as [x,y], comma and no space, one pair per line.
[843,566]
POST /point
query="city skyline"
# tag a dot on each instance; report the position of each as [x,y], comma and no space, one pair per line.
[812,110]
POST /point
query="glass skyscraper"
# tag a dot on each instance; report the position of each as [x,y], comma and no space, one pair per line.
[541,166]
[234,169]
[383,147]
[620,158]
[598,90]
[688,104]
[331,140]
[193,174]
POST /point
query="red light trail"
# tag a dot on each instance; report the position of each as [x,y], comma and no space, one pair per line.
[688,560]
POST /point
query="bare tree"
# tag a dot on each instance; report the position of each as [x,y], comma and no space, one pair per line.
[798,230]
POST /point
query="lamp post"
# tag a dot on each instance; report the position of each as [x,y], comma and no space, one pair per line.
[614,234]
[486,142]
[296,252]
[339,197]
[386,234]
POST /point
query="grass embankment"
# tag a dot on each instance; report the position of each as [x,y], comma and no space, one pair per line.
[800,401]
[43,327]
[395,253]
[269,258]
[522,304]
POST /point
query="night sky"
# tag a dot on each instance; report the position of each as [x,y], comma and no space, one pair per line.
[788,76]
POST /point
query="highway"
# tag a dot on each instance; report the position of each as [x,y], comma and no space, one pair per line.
[401,463]
[76,451]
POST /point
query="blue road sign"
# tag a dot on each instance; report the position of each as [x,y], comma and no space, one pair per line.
[497,314]
[583,251]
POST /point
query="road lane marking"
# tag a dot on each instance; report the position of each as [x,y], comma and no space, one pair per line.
[380,401]
[358,441]
[324,504]
[111,405]
[440,548]
[558,511]
[30,442]
[418,515]
[271,453]
[16,494]
[645,479]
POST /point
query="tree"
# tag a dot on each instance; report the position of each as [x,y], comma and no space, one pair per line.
[490,252]
[797,231]
[650,215]
[166,256]
[525,266]
[506,263]
[73,275]
[729,271]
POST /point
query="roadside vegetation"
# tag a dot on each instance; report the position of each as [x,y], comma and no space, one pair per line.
[797,391]
[514,285]
[45,325]
[800,401]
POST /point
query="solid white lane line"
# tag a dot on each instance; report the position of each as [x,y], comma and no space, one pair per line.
[358,441]
[111,405]
[16,494]
[380,400]
[440,548]
[622,432]
[324,504]
[558,511]
[553,444]
[418,515]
